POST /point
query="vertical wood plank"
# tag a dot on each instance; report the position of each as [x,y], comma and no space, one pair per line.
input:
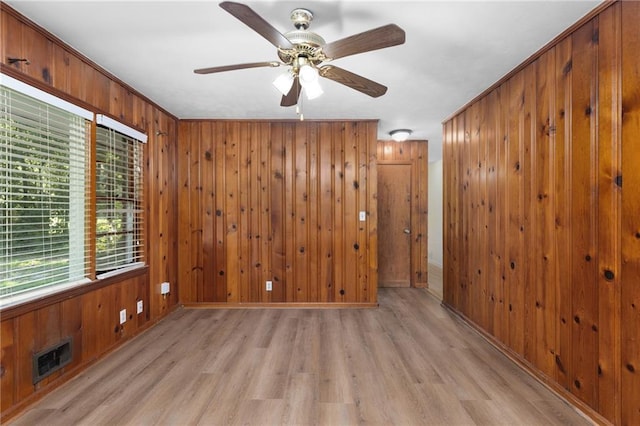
[195,213]
[483,248]
[313,233]
[562,202]
[254,206]
[350,242]
[543,296]
[25,347]
[473,189]
[584,259]
[184,202]
[463,172]
[447,211]
[502,291]
[609,212]
[206,291]
[300,213]
[372,222]
[630,232]
[362,239]
[277,212]
[152,221]
[450,234]
[289,218]
[266,232]
[515,196]
[244,283]
[71,326]
[491,227]
[231,202]
[528,226]
[326,260]
[338,141]
[220,236]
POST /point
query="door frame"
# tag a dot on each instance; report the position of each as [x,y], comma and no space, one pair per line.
[412,281]
[416,153]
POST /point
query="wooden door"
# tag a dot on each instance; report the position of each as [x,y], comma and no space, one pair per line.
[394,225]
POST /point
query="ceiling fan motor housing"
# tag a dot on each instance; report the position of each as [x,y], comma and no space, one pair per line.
[306,43]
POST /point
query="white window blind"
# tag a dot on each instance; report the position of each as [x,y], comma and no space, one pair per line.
[43,180]
[119,200]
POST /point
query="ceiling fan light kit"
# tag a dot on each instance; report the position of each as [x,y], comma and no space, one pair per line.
[303,51]
[284,82]
[400,135]
[312,90]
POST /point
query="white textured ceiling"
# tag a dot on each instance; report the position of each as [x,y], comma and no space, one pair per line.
[453,51]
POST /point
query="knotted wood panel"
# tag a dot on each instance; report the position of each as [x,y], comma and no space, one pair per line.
[277,201]
[542,213]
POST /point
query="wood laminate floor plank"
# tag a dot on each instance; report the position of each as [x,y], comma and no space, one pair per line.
[409,362]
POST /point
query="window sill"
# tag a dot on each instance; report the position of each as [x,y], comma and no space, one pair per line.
[39,300]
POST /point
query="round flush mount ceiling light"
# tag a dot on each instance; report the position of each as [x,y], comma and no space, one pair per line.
[400,135]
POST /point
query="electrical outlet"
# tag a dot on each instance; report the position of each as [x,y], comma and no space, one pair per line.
[123,316]
[165,287]
[139,307]
[269,285]
[363,216]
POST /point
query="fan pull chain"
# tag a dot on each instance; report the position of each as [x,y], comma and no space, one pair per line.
[300,106]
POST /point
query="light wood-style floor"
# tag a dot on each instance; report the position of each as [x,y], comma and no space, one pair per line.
[407,363]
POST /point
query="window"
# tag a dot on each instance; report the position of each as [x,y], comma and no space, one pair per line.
[43,176]
[49,224]
[119,197]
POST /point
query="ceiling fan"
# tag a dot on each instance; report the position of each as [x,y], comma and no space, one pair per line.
[304,51]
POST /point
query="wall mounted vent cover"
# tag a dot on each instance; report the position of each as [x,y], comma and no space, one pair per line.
[52,359]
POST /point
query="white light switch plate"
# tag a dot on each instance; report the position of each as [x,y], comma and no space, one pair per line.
[123,316]
[363,216]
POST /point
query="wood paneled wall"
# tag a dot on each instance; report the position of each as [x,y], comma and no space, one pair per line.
[542,213]
[90,319]
[416,153]
[89,316]
[277,201]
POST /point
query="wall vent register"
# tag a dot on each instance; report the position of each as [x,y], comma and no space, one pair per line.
[51,360]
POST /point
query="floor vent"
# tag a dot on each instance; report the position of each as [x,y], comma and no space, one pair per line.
[51,360]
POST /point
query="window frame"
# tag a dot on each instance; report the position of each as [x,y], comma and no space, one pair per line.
[136,205]
[11,302]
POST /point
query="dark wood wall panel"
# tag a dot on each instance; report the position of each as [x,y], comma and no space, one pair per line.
[417,154]
[277,201]
[90,317]
[537,217]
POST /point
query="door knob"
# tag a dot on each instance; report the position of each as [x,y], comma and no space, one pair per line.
[407,231]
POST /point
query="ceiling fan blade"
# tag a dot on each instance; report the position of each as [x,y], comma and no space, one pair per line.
[236,67]
[291,98]
[355,81]
[257,23]
[377,38]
